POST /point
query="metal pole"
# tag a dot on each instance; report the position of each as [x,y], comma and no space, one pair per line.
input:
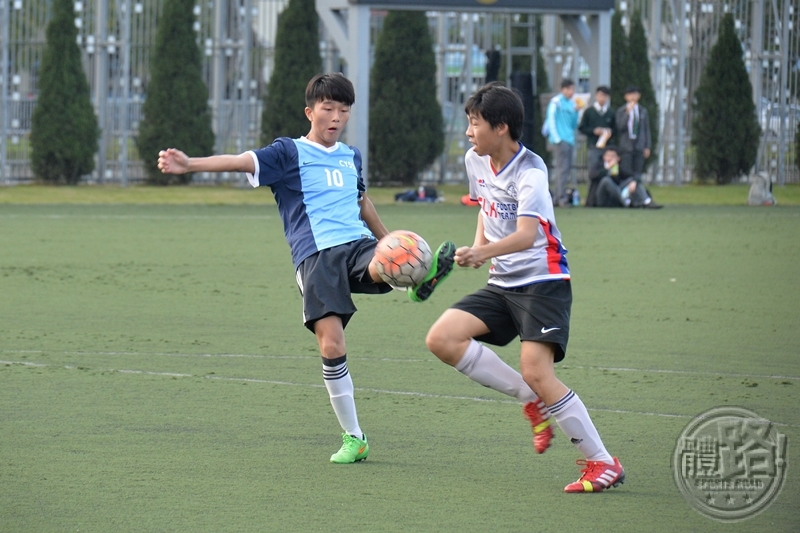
[784,119]
[444,96]
[509,55]
[357,131]
[126,91]
[101,81]
[655,73]
[756,51]
[550,46]
[246,36]
[468,42]
[679,93]
[532,44]
[218,73]
[4,72]
[245,102]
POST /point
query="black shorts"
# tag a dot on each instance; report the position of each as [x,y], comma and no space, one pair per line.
[328,278]
[536,312]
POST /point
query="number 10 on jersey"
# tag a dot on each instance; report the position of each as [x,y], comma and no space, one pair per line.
[335,177]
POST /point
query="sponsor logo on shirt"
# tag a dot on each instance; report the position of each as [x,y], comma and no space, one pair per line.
[348,164]
[499,210]
[481,182]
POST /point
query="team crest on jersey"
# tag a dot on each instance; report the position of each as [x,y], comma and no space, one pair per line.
[481,182]
[512,191]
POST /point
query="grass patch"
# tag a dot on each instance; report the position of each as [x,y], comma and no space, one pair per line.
[156,376]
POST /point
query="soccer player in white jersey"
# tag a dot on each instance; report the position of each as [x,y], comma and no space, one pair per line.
[332,228]
[528,294]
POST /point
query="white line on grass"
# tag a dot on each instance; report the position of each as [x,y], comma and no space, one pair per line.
[364,389]
[431,360]
[175,354]
[690,372]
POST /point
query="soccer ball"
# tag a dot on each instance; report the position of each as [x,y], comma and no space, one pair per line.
[403,258]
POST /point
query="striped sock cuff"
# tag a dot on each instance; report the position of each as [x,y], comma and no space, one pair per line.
[334,368]
[562,404]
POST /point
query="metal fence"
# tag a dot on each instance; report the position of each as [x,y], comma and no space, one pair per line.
[236,37]
[681,34]
[116,38]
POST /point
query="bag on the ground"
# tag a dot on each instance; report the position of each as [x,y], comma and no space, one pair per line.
[761,190]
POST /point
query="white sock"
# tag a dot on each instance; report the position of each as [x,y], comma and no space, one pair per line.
[573,419]
[340,389]
[481,364]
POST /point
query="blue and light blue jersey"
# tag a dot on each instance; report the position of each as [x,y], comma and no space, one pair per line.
[317,190]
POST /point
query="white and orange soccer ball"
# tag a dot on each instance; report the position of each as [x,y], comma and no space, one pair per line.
[403,258]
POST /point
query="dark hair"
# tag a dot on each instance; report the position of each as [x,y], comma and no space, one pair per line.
[567,82]
[498,105]
[611,148]
[333,86]
[631,89]
[604,89]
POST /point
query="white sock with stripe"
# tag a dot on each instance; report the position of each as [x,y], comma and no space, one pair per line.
[481,364]
[573,419]
[340,389]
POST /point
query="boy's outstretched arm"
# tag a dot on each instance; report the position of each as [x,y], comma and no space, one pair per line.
[173,161]
[370,216]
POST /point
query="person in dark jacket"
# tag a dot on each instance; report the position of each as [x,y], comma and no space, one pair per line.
[633,133]
[599,125]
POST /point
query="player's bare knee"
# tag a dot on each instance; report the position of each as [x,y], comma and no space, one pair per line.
[331,348]
[532,377]
[438,341]
[434,340]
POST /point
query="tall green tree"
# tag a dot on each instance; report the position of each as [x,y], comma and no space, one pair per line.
[622,72]
[725,130]
[640,63]
[297,60]
[176,112]
[405,127]
[64,129]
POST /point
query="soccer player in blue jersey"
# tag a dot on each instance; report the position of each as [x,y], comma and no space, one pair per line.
[528,295]
[332,228]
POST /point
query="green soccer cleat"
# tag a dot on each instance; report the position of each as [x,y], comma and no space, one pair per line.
[353,450]
[441,267]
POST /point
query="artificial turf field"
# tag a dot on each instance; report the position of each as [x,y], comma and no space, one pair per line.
[156,375]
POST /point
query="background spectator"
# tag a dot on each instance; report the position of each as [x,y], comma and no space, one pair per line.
[559,126]
[616,188]
[599,125]
[633,134]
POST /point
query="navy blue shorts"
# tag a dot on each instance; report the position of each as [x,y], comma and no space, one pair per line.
[536,312]
[328,278]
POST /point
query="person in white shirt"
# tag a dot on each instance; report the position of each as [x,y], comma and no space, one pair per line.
[528,294]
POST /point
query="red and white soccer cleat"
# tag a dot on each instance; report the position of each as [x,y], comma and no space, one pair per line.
[540,423]
[597,476]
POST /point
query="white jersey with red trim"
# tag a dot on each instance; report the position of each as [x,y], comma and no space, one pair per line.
[520,189]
